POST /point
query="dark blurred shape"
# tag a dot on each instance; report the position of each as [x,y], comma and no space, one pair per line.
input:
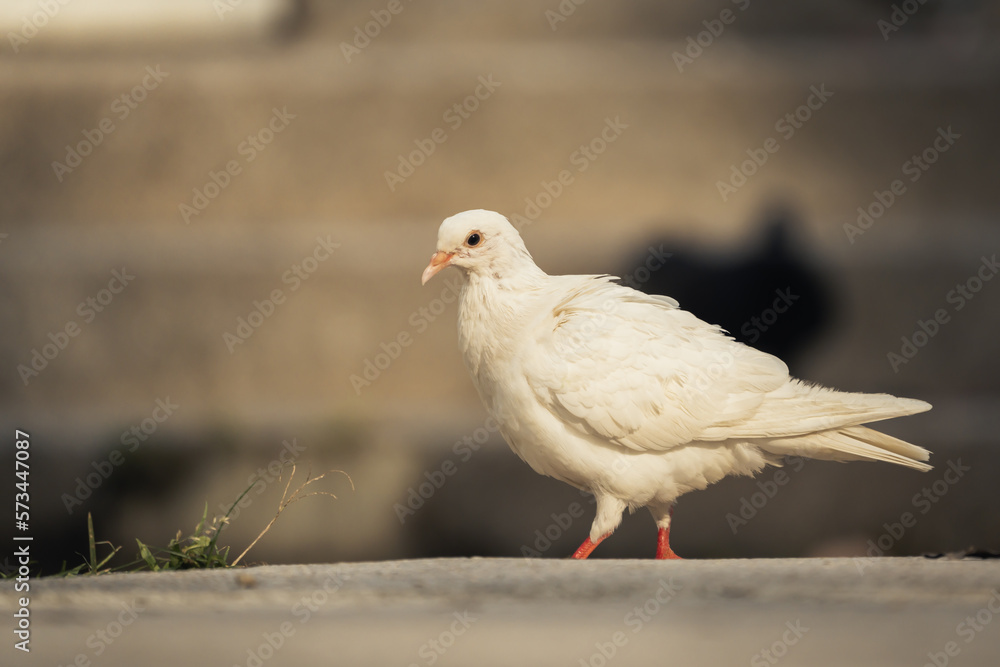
[771,297]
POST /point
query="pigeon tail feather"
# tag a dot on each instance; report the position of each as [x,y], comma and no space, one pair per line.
[799,408]
[854,443]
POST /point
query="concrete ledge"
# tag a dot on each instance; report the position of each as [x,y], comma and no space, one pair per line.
[498,611]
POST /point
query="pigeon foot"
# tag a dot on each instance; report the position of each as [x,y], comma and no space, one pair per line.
[587,547]
[663,550]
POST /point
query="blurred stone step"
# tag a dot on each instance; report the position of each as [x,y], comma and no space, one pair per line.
[817,612]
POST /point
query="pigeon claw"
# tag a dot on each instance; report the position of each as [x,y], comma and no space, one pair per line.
[663,550]
[587,547]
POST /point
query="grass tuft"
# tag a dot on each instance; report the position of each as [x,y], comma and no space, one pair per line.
[198,550]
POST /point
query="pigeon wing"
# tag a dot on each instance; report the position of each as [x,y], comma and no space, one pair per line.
[638,371]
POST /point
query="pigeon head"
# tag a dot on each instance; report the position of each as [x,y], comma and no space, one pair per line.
[479,242]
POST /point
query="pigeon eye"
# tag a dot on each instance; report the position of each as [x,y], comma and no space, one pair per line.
[473,240]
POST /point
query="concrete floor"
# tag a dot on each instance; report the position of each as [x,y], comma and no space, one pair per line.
[848,611]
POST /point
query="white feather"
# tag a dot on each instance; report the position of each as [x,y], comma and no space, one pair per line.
[629,397]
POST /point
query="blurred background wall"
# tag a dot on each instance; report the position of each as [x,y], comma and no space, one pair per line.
[214,215]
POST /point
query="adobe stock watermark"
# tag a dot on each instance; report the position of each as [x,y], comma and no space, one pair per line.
[923,502]
[792,635]
[913,169]
[122,107]
[163,409]
[656,259]
[635,620]
[294,277]
[756,326]
[898,17]
[454,117]
[302,611]
[308,605]
[967,630]
[272,642]
[58,341]
[714,28]
[364,34]
[99,641]
[957,297]
[249,149]
[562,12]
[224,7]
[750,507]
[576,338]
[263,477]
[786,127]
[420,319]
[561,523]
[434,648]
[722,363]
[579,161]
[33,23]
[463,450]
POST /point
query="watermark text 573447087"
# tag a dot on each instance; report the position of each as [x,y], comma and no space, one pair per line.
[22,541]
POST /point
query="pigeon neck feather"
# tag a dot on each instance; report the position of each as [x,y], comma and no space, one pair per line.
[495,303]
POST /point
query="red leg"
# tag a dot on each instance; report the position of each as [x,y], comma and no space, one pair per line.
[587,547]
[663,550]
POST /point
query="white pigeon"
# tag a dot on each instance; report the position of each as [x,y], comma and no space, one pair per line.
[626,396]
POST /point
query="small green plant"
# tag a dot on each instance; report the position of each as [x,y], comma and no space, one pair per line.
[201,548]
[91,565]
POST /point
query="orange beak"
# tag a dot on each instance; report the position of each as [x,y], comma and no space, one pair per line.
[439,260]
